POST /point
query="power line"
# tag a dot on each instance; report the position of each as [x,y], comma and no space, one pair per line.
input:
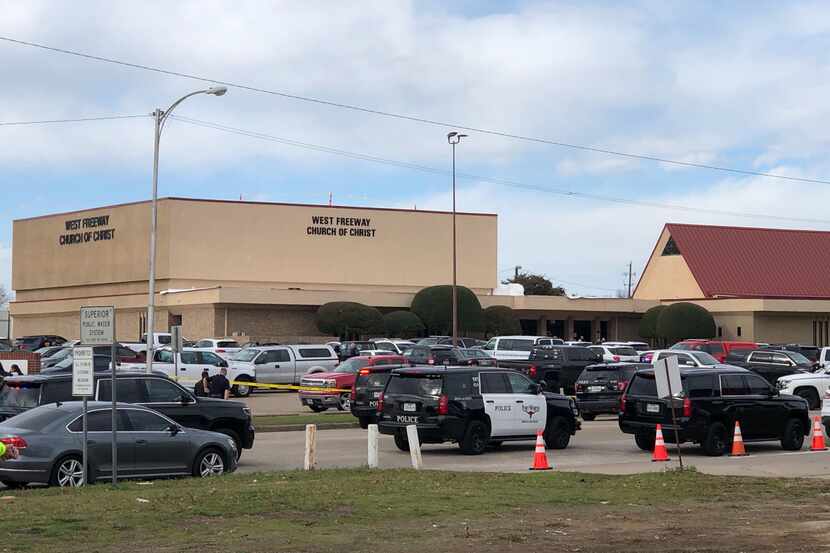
[414,118]
[78,120]
[492,180]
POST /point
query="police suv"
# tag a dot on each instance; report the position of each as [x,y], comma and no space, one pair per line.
[474,407]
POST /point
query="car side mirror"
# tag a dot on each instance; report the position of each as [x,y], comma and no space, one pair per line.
[543,387]
[174,429]
[185,400]
[536,389]
[223,363]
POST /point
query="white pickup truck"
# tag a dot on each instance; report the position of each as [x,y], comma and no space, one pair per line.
[160,339]
[810,386]
[278,364]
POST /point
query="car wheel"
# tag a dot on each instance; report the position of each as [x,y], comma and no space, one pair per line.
[12,485]
[793,438]
[588,416]
[68,472]
[644,440]
[475,438]
[240,390]
[714,444]
[557,433]
[345,403]
[209,463]
[401,441]
[235,437]
[317,408]
[813,401]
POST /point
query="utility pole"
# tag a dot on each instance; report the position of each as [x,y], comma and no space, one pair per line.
[630,274]
[454,138]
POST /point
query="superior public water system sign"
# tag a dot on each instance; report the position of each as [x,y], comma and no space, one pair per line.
[97,326]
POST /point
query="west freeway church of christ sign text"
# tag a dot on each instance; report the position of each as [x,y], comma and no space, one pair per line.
[341,227]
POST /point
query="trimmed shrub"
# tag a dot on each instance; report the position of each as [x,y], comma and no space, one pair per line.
[400,324]
[499,320]
[648,324]
[679,321]
[433,306]
[349,320]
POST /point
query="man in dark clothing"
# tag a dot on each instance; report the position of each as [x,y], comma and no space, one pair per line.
[219,385]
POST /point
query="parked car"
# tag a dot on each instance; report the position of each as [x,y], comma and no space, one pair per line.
[773,364]
[808,385]
[160,339]
[430,340]
[810,352]
[221,347]
[368,385]
[599,387]
[127,358]
[232,418]
[461,342]
[474,408]
[49,441]
[509,348]
[190,363]
[32,343]
[65,365]
[342,377]
[713,399]
[398,347]
[6,344]
[616,354]
[278,364]
[698,359]
[718,349]
[48,351]
[557,366]
[427,354]
[352,349]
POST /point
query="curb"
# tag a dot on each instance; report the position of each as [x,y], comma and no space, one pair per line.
[301,427]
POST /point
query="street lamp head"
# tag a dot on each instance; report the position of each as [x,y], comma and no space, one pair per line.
[451,135]
[217,90]
[454,138]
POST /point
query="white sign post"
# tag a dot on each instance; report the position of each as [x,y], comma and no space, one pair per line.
[98,329]
[667,378]
[83,383]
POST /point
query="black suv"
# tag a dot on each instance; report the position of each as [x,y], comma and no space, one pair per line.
[712,400]
[473,407]
[772,364]
[556,366]
[157,392]
[368,386]
[599,387]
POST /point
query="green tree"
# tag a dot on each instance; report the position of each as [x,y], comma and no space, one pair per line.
[349,320]
[499,320]
[433,306]
[679,321]
[648,324]
[400,324]
[536,285]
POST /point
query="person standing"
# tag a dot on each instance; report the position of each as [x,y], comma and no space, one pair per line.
[220,387]
[202,387]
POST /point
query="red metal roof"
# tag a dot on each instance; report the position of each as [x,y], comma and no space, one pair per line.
[756,262]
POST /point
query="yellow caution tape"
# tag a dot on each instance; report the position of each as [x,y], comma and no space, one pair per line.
[276,386]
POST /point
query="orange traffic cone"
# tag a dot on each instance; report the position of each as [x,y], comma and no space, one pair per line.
[818,437]
[738,449]
[660,451]
[540,458]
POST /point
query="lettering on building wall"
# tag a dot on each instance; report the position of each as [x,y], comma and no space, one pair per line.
[89,229]
[341,227]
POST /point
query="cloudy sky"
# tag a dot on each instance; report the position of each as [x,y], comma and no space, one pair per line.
[743,85]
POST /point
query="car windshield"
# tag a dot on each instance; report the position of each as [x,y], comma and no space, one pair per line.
[415,385]
[624,350]
[64,363]
[704,358]
[799,359]
[245,355]
[61,354]
[685,346]
[21,395]
[350,365]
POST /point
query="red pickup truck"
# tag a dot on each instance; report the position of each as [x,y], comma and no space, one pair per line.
[718,349]
[341,378]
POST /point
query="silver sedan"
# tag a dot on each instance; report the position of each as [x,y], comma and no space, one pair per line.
[49,441]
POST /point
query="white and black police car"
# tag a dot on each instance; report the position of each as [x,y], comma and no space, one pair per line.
[474,407]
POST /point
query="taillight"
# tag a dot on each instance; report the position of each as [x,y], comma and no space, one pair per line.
[380,403]
[363,372]
[15,441]
[220,351]
[430,361]
[616,358]
[443,405]
[579,388]
[621,385]
[687,407]
[622,403]
[532,371]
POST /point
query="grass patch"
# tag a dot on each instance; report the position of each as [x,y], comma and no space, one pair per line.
[311,418]
[340,510]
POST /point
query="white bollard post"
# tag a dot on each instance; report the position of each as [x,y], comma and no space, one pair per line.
[414,446]
[373,446]
[310,447]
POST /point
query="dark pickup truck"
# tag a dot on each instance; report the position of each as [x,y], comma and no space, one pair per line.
[771,364]
[556,366]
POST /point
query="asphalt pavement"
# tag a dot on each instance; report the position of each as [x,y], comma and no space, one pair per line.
[599,447]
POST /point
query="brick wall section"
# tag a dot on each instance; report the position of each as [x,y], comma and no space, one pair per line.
[7,358]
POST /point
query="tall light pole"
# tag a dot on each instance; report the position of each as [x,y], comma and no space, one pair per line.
[454,138]
[160,118]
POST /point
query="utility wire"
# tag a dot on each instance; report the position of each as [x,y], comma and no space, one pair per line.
[492,180]
[413,118]
[78,120]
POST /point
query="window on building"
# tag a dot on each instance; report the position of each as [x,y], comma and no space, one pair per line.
[671,248]
[720,332]
[739,332]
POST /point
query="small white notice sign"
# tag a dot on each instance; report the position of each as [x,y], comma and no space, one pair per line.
[83,370]
[97,326]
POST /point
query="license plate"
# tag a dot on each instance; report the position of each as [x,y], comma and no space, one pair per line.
[410,407]
[653,408]
[376,395]
[595,388]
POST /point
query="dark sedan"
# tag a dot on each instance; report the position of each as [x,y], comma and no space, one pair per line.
[49,440]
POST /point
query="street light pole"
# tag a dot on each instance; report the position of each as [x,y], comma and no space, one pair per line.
[160,117]
[454,138]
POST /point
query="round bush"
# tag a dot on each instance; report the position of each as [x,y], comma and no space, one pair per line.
[683,320]
[499,320]
[648,324]
[348,319]
[400,324]
[433,306]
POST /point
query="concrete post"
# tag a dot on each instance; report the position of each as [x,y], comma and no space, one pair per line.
[373,446]
[414,446]
[310,461]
